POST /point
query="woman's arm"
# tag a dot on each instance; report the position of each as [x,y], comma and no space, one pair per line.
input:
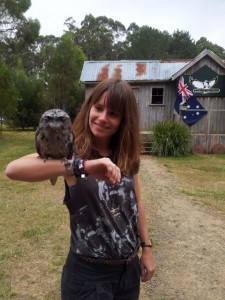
[32,168]
[147,261]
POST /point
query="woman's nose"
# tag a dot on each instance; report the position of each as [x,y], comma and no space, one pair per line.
[103,116]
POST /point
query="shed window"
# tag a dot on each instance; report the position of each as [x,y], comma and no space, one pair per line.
[157,96]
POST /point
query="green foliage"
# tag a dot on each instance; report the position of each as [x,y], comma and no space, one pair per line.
[146,43]
[64,68]
[171,138]
[8,94]
[11,16]
[21,46]
[76,99]
[182,45]
[14,9]
[100,38]
[30,104]
[203,43]
[28,32]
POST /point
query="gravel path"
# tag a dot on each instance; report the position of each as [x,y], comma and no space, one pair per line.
[189,240]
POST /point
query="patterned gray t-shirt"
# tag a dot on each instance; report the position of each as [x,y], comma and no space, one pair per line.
[103,218]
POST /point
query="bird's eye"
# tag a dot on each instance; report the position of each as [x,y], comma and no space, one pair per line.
[63,118]
[47,118]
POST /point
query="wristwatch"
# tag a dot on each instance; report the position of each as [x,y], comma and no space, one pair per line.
[146,244]
[75,167]
[78,167]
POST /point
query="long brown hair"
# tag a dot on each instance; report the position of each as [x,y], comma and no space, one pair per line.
[125,143]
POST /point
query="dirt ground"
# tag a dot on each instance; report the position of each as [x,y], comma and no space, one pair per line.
[189,240]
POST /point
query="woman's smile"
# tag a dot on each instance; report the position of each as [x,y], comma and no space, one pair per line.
[101,126]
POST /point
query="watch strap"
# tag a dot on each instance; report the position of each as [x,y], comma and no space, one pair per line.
[146,244]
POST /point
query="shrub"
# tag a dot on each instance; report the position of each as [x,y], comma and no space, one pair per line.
[171,138]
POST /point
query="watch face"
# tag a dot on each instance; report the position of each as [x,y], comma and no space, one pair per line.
[78,167]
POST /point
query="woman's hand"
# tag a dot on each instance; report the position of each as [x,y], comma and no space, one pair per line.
[103,169]
[147,264]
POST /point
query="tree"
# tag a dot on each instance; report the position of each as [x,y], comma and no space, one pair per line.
[17,34]
[100,38]
[30,104]
[22,46]
[44,50]
[63,68]
[203,44]
[146,43]
[11,16]
[8,93]
[182,45]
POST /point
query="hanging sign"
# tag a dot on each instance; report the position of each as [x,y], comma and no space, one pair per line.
[206,82]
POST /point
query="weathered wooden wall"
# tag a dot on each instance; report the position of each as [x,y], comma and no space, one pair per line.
[210,130]
[152,113]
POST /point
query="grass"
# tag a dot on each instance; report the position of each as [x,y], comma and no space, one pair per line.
[34,224]
[34,229]
[200,176]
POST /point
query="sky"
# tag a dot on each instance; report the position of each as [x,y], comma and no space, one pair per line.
[201,18]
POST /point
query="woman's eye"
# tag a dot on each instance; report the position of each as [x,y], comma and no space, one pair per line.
[114,113]
[98,108]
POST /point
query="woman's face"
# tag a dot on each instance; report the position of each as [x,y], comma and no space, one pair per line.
[103,121]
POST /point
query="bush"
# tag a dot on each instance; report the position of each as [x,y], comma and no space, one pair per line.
[171,138]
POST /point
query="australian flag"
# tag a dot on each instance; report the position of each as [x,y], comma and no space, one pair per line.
[187,105]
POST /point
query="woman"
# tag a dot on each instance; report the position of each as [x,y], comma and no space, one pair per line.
[107,218]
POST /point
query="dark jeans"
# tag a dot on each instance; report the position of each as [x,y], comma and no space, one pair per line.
[82,280]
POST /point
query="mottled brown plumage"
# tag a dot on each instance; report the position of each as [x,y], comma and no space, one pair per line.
[54,137]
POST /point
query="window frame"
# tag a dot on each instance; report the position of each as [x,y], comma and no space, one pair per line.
[161,95]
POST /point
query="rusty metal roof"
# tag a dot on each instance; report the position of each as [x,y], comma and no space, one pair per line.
[142,70]
[131,70]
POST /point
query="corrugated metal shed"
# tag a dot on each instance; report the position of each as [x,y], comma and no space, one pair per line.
[131,70]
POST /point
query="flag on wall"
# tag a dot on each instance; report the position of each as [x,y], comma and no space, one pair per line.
[187,105]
